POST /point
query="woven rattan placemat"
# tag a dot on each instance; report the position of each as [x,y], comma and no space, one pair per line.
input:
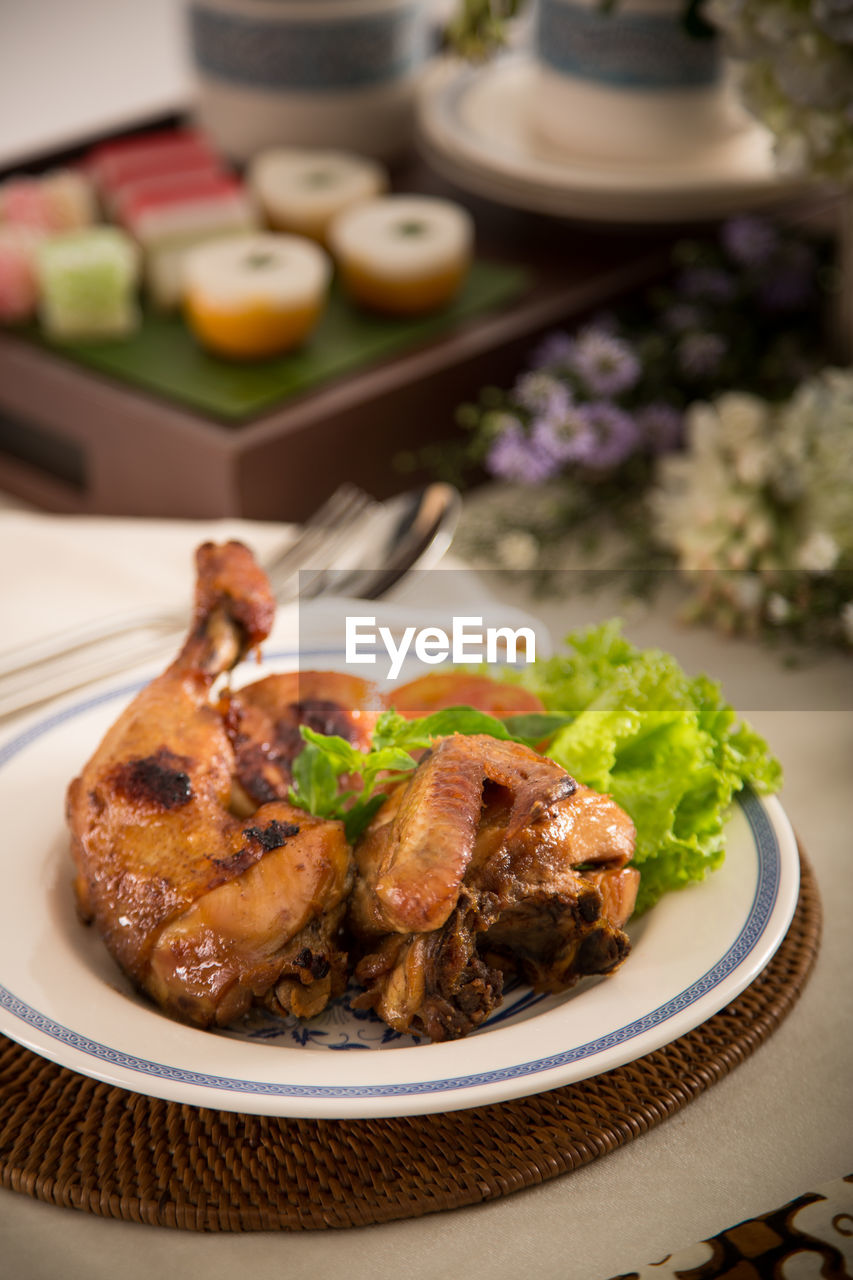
[76,1142]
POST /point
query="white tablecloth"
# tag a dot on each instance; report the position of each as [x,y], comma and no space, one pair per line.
[778,1126]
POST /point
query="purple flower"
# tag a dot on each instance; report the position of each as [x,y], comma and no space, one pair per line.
[707,284]
[749,241]
[613,433]
[542,394]
[520,458]
[700,354]
[606,364]
[661,427]
[568,439]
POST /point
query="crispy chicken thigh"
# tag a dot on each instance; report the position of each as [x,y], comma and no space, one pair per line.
[206,910]
[491,860]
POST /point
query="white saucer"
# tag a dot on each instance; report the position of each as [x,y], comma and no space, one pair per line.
[472,126]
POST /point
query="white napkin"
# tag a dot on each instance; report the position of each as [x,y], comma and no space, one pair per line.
[60,573]
[63,571]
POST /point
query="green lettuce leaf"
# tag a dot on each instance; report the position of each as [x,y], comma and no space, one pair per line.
[626,721]
[666,746]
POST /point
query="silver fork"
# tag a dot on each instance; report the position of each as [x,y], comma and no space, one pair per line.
[32,673]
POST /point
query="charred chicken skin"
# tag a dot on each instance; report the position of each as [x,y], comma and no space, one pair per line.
[214,893]
[208,903]
[263,721]
[490,860]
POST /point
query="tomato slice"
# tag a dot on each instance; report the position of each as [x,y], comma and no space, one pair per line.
[441,689]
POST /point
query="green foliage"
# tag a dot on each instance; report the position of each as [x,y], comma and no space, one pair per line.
[666,746]
[326,759]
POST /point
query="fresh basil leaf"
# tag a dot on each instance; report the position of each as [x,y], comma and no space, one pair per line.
[535,727]
[462,719]
[315,782]
[342,754]
[531,728]
[391,758]
[389,729]
[414,735]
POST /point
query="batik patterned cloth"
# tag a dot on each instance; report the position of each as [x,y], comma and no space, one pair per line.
[808,1238]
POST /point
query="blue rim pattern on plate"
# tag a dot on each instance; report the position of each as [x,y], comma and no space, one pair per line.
[766,892]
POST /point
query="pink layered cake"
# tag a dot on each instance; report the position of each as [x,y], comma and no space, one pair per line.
[169,218]
[113,165]
[171,191]
[18,283]
[62,200]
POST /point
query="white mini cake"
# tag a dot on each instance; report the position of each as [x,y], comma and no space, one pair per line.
[254,296]
[403,254]
[302,190]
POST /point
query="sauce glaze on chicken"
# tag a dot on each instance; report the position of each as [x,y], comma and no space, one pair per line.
[208,903]
[214,894]
[490,861]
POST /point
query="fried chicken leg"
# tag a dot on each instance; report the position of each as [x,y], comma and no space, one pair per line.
[206,910]
[490,860]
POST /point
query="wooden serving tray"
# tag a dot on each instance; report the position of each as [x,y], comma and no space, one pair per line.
[155,427]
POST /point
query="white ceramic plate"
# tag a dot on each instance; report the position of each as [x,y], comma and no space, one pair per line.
[62,996]
[473,129]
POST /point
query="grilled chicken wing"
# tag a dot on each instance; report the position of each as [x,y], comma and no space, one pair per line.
[490,860]
[206,910]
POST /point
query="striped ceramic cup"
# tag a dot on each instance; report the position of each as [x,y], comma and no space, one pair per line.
[307,72]
[626,80]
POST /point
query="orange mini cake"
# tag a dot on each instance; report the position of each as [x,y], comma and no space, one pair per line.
[303,190]
[403,254]
[255,295]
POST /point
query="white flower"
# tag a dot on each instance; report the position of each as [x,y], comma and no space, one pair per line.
[737,511]
[748,591]
[703,428]
[778,609]
[787,480]
[759,532]
[761,488]
[701,549]
[742,417]
[517,550]
[753,463]
[816,437]
[737,555]
[818,554]
[795,70]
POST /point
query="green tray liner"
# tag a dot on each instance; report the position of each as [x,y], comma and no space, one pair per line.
[164,358]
